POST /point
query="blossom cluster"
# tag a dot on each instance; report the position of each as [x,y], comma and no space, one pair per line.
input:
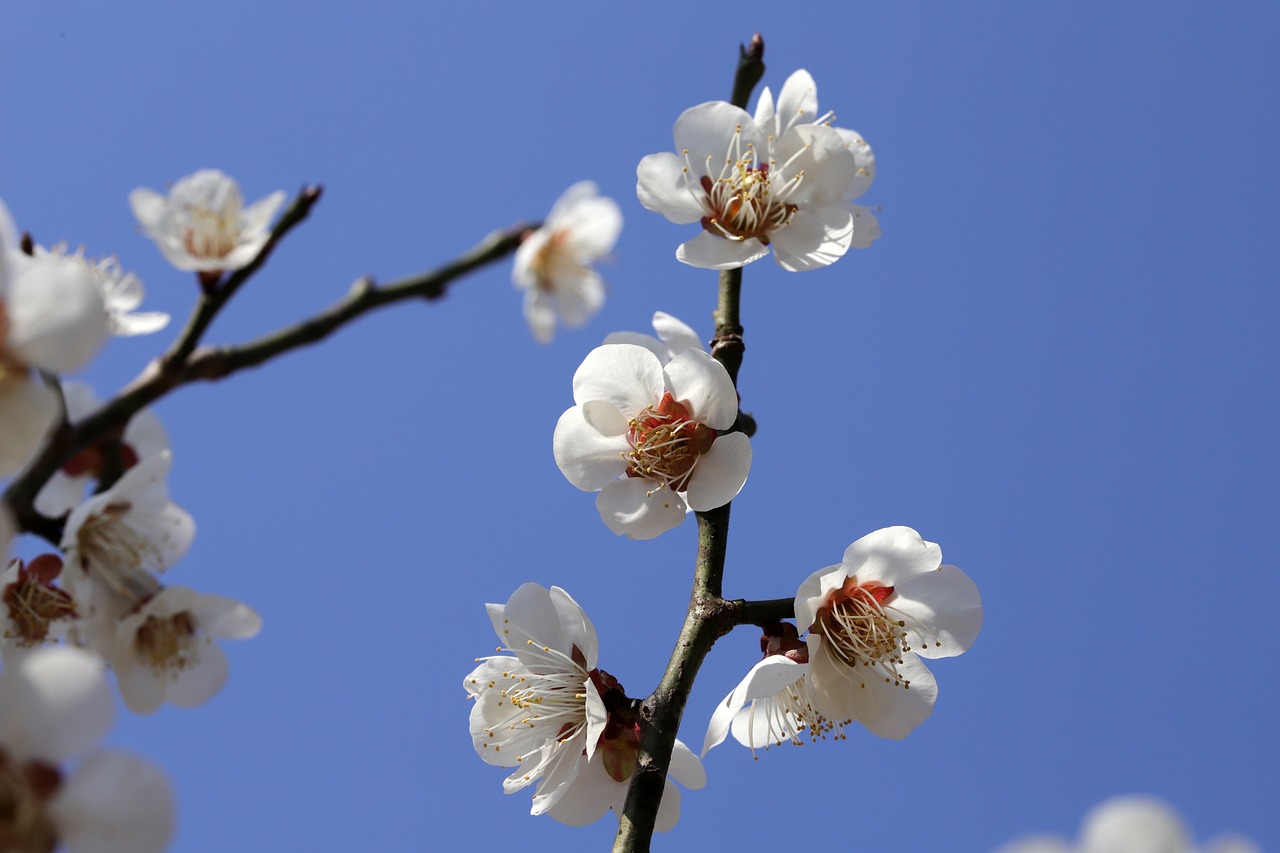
[97,604]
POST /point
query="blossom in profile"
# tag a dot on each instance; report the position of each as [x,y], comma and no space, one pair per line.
[547,710]
[782,179]
[203,225]
[122,292]
[56,706]
[652,439]
[674,336]
[52,319]
[143,437]
[1131,824]
[554,264]
[871,618]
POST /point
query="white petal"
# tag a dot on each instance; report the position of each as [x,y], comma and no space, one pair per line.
[686,768]
[817,237]
[710,252]
[593,226]
[668,809]
[588,460]
[628,376]
[604,418]
[828,164]
[257,216]
[866,227]
[27,411]
[675,334]
[57,319]
[721,472]
[841,692]
[798,100]
[943,611]
[141,323]
[649,342]
[597,718]
[115,803]
[540,314]
[765,113]
[529,614]
[201,680]
[713,133]
[149,207]
[891,555]
[580,298]
[54,704]
[699,381]
[638,508]
[1134,825]
[577,628]
[663,186]
[863,159]
[763,680]
[592,793]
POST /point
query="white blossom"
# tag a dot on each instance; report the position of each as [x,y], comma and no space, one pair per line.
[674,336]
[554,263]
[203,225]
[652,438]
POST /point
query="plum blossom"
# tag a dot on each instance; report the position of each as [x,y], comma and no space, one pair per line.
[129,529]
[872,617]
[652,439]
[52,319]
[122,292]
[782,178]
[1131,824]
[553,266]
[144,436]
[203,225]
[163,650]
[550,712]
[674,336]
[33,610]
[55,705]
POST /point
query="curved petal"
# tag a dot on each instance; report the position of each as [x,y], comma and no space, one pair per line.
[663,186]
[891,555]
[580,297]
[57,318]
[721,472]
[649,342]
[604,418]
[588,460]
[677,335]
[114,803]
[258,215]
[540,314]
[820,153]
[668,809]
[715,134]
[812,591]
[817,237]
[54,704]
[866,227]
[863,159]
[686,768]
[765,114]
[592,226]
[888,711]
[1134,825]
[27,411]
[942,609]
[200,680]
[763,680]
[530,614]
[592,793]
[710,252]
[638,508]
[797,101]
[579,632]
[628,376]
[702,383]
[149,208]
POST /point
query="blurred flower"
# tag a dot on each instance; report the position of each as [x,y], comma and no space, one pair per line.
[769,180]
[203,225]
[872,617]
[650,438]
[674,337]
[32,610]
[1130,825]
[130,528]
[144,436]
[52,319]
[121,292]
[553,264]
[55,705]
[550,712]
[163,650]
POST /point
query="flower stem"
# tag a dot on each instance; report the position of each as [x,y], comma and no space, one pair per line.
[710,616]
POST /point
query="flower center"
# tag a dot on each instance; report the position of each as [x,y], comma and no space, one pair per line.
[555,262]
[666,443]
[857,630]
[747,198]
[168,643]
[211,233]
[33,602]
[25,789]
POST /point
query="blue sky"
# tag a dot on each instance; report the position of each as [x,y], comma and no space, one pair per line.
[1059,363]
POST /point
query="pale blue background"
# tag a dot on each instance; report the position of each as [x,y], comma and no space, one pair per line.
[1060,363]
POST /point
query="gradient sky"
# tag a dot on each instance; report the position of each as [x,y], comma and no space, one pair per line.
[1060,363]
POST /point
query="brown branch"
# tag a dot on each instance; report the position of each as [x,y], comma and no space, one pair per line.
[710,616]
[185,362]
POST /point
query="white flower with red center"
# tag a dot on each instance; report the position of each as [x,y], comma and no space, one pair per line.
[203,225]
[55,705]
[32,610]
[554,264]
[870,620]
[548,711]
[772,180]
[164,649]
[52,319]
[674,336]
[130,529]
[652,439]
[144,437]
[1131,824]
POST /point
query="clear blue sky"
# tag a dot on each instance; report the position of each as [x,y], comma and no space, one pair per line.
[1059,363]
